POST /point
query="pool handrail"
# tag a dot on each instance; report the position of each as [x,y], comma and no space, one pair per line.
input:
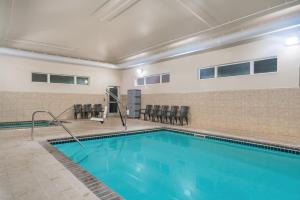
[123,118]
[59,123]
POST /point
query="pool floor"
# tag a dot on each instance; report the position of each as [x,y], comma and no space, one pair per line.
[164,165]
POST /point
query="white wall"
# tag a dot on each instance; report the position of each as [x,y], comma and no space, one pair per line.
[15,75]
[184,70]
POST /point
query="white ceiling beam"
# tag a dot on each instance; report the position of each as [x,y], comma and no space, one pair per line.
[54,58]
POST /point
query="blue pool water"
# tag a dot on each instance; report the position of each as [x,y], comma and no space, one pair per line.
[165,165]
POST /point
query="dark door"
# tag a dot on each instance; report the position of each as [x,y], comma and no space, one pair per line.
[113,104]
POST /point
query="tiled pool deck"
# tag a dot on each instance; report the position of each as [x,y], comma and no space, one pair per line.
[29,171]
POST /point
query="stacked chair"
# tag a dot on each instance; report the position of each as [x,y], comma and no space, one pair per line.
[77,111]
[97,109]
[166,114]
[147,112]
[154,113]
[87,111]
[163,114]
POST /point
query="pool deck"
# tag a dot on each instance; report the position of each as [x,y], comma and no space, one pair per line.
[29,172]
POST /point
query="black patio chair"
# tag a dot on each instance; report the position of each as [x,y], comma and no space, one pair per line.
[97,110]
[183,114]
[163,114]
[77,111]
[87,111]
[147,112]
[155,112]
[172,114]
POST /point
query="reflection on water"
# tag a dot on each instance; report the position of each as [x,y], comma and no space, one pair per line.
[169,166]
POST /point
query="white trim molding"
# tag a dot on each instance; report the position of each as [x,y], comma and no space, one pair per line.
[54,58]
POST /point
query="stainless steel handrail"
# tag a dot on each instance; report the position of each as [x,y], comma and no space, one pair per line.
[124,121]
[59,123]
[64,112]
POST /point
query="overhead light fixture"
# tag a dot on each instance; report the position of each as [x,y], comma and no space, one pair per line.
[140,71]
[292,41]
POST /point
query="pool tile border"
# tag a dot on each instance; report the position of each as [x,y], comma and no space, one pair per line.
[92,183]
[242,141]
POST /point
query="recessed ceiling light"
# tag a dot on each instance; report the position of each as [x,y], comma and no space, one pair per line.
[292,41]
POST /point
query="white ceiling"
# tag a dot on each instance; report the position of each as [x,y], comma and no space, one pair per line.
[129,32]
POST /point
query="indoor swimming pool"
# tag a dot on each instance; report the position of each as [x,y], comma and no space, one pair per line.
[169,165]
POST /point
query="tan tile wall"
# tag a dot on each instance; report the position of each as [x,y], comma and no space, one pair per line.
[19,106]
[258,113]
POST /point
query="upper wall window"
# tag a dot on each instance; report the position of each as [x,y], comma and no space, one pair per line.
[80,80]
[234,69]
[251,67]
[153,79]
[140,81]
[61,79]
[165,78]
[207,73]
[56,78]
[39,77]
[265,66]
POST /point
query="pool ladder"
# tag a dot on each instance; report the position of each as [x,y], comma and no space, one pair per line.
[57,121]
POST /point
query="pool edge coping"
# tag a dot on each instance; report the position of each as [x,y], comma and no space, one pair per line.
[98,188]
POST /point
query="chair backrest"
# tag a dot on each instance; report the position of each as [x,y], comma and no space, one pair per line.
[164,109]
[87,107]
[77,108]
[97,107]
[174,110]
[184,111]
[148,108]
[156,108]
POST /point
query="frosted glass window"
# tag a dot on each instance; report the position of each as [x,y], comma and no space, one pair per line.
[207,73]
[165,78]
[153,79]
[140,81]
[265,66]
[234,69]
[37,77]
[61,79]
[82,80]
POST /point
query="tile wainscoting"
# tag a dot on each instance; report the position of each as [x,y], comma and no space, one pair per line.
[19,106]
[254,113]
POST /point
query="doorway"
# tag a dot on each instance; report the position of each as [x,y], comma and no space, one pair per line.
[112,103]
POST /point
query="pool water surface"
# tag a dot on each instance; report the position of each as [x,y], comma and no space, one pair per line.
[166,165]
